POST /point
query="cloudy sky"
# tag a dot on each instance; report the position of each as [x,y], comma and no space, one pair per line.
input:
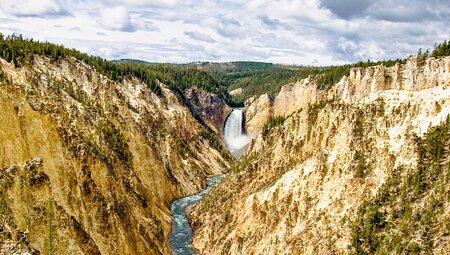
[310,32]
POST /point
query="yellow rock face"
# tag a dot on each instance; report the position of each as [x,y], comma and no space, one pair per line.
[90,166]
[298,189]
[257,112]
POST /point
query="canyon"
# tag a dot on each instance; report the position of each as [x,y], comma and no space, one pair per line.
[94,165]
[89,165]
[258,127]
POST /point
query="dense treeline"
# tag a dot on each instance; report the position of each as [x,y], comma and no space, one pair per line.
[183,77]
[441,49]
[269,80]
[21,52]
[180,77]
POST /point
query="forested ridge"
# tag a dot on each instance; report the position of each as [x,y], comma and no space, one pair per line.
[255,78]
[21,51]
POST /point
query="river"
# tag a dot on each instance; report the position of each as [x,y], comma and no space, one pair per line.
[180,237]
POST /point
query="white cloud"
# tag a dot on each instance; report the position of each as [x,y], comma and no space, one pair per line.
[143,3]
[117,19]
[33,7]
[289,31]
[199,36]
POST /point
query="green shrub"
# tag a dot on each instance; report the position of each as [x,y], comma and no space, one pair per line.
[271,124]
[116,142]
[2,75]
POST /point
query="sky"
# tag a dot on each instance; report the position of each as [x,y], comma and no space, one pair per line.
[305,32]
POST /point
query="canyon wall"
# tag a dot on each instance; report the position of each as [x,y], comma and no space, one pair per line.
[90,166]
[359,168]
[209,107]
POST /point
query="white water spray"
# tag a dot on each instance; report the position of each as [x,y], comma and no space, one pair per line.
[235,138]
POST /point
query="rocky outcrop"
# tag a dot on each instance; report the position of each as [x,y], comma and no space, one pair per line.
[309,185]
[209,107]
[295,96]
[361,82]
[412,76]
[236,92]
[90,166]
[257,112]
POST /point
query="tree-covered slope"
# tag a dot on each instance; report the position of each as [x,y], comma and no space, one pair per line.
[408,215]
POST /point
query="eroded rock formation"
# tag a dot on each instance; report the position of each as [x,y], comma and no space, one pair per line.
[358,168]
[209,107]
[90,166]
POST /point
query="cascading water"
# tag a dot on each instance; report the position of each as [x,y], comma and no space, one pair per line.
[235,138]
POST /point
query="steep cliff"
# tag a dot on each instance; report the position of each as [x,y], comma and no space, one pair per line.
[257,112]
[319,179]
[89,165]
[416,74]
[209,107]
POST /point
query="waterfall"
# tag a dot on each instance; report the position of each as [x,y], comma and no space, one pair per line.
[234,136]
